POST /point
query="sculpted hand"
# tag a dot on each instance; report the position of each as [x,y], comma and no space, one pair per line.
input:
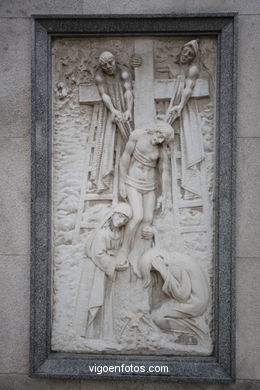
[122,190]
[110,271]
[161,203]
[121,259]
[147,233]
[127,116]
[117,116]
[136,61]
[175,111]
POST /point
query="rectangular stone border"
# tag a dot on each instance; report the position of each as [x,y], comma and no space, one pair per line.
[46,364]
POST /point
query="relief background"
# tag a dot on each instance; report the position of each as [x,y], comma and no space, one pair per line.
[15,30]
[187,230]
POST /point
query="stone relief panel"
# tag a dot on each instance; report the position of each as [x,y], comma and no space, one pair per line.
[133,195]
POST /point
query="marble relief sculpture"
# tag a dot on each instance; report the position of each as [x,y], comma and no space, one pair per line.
[101,249]
[133,182]
[186,293]
[144,152]
[114,86]
[190,127]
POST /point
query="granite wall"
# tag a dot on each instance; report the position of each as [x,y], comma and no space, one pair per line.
[15,57]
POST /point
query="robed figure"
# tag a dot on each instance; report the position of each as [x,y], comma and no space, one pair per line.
[94,309]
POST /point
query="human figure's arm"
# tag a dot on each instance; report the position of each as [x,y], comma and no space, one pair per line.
[177,283]
[164,170]
[99,255]
[159,265]
[190,80]
[125,161]
[116,114]
[128,95]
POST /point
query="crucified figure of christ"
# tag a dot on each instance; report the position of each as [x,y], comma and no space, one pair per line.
[144,152]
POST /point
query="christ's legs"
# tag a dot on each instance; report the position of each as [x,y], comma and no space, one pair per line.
[137,239]
[149,205]
[136,202]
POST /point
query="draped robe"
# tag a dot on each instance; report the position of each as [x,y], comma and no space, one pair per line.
[95,298]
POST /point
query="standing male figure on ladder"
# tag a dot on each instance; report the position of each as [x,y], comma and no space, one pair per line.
[115,89]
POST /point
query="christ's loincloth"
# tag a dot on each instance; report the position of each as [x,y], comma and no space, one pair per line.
[141,185]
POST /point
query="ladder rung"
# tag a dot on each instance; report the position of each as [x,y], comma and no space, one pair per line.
[98,197]
[191,203]
[191,229]
[87,226]
[91,144]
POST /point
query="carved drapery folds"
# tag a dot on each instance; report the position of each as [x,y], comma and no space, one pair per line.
[133,182]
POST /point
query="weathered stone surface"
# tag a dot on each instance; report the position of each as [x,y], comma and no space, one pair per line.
[15,54]
[29,7]
[248,84]
[140,385]
[248,318]
[15,121]
[248,198]
[167,6]
[112,385]
[14,309]
[22,382]
[15,195]
[137,214]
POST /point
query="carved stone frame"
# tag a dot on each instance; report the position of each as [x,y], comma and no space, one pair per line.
[47,364]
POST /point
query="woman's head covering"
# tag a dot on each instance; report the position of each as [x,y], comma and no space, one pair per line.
[122,208]
[195,45]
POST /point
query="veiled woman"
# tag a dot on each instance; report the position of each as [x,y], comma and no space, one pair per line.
[94,311]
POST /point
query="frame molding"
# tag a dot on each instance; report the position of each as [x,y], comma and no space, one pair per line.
[46,364]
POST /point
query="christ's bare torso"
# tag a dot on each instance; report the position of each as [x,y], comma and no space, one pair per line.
[144,159]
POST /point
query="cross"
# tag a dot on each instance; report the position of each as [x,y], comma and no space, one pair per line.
[148,89]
